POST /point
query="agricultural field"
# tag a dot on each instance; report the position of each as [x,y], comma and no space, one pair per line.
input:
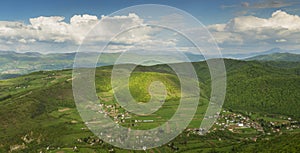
[38,113]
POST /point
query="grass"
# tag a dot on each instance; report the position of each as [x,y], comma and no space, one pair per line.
[42,103]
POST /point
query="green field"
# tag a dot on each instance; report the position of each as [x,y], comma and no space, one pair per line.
[38,111]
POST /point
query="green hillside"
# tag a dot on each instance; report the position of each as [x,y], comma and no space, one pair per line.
[38,112]
[254,86]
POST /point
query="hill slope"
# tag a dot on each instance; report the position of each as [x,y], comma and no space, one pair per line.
[38,109]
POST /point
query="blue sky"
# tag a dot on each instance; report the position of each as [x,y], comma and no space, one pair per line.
[237,25]
[22,10]
[209,12]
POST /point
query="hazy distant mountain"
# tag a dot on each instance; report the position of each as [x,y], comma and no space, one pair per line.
[289,57]
[249,55]
[13,64]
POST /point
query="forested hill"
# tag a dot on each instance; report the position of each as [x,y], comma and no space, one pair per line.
[251,85]
[36,102]
[263,87]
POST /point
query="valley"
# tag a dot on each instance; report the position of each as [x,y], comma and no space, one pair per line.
[38,113]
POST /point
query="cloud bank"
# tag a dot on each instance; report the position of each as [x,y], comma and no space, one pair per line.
[54,30]
[55,34]
[281,29]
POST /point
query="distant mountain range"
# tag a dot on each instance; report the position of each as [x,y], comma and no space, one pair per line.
[253,54]
[13,64]
[288,57]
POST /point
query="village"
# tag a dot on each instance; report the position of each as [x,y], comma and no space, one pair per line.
[226,120]
[244,124]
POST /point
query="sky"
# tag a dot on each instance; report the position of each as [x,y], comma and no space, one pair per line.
[61,25]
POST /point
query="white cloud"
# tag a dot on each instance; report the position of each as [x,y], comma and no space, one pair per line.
[54,30]
[278,20]
[272,4]
[263,4]
[246,31]
[281,40]
[245,4]
[55,34]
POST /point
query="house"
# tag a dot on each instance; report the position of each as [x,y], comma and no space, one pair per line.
[240,124]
